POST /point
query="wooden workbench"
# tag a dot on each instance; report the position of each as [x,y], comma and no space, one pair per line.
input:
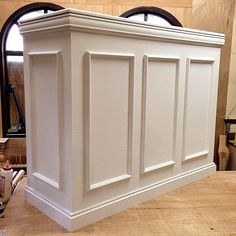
[206,207]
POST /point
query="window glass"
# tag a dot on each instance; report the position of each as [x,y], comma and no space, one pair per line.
[153,19]
[138,17]
[14,40]
[153,15]
[14,59]
[150,18]
[32,15]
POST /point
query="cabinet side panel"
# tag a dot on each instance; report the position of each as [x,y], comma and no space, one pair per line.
[45,116]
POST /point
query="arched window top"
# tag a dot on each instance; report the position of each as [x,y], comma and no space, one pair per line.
[31,10]
[11,67]
[14,40]
[152,15]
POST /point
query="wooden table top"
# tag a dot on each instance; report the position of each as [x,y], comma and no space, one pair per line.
[206,207]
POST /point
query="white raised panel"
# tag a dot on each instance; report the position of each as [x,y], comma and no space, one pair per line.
[45,88]
[109,86]
[197,109]
[159,107]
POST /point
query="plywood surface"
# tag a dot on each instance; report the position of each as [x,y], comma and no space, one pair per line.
[217,16]
[206,207]
[231,97]
[112,7]
[15,151]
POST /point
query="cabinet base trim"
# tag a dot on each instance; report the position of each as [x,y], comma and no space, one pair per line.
[75,220]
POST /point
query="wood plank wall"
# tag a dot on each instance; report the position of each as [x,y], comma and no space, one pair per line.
[217,16]
[180,8]
[212,15]
[231,98]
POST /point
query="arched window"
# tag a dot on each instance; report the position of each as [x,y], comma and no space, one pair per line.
[152,15]
[11,68]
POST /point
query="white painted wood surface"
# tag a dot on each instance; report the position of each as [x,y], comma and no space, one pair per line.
[117,112]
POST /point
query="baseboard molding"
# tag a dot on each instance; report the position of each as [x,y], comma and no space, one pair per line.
[75,220]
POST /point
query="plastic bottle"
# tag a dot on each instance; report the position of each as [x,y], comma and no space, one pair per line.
[5,181]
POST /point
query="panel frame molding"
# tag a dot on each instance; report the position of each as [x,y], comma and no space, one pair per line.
[204,153]
[169,163]
[89,55]
[58,62]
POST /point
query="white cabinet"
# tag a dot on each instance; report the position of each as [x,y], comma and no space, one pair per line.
[117,112]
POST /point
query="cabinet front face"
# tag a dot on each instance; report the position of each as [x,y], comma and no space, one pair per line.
[147,109]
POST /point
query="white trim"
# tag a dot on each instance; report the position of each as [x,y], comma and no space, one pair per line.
[109,55]
[44,53]
[109,181]
[196,155]
[78,20]
[78,219]
[46,180]
[159,166]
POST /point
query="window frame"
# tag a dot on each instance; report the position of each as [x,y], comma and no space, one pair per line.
[155,11]
[4,79]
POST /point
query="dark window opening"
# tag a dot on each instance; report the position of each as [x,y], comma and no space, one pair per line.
[152,15]
[11,68]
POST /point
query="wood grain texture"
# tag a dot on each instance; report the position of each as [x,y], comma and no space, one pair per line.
[217,15]
[160,3]
[16,78]
[16,151]
[206,207]
[183,14]
[231,98]
[103,6]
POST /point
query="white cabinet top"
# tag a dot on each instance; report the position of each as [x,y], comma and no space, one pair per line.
[78,20]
